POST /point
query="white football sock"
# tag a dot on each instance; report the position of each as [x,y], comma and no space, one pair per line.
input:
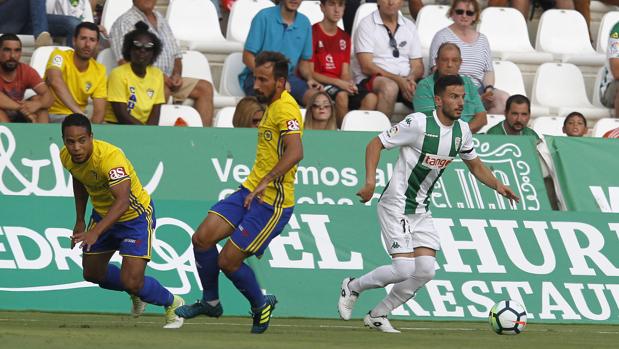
[401,268]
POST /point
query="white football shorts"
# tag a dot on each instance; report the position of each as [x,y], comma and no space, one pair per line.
[403,233]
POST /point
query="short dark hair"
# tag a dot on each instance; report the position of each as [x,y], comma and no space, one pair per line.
[446,45]
[443,82]
[574,114]
[518,99]
[9,37]
[141,28]
[280,63]
[87,25]
[76,120]
[325,1]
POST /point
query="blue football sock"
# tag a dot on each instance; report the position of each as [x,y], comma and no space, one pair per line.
[208,270]
[245,281]
[112,279]
[154,293]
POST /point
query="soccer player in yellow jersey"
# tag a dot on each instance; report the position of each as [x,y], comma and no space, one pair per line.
[122,219]
[258,211]
[75,75]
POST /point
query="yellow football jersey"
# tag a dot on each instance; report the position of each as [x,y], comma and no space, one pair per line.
[282,117]
[107,167]
[140,94]
[82,85]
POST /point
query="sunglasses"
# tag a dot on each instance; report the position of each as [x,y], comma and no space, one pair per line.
[460,12]
[393,43]
[321,106]
[146,45]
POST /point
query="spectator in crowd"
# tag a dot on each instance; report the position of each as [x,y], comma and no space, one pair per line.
[331,62]
[77,11]
[248,113]
[517,116]
[75,75]
[475,51]
[575,124]
[614,133]
[136,88]
[448,62]
[170,60]
[388,53]
[282,29]
[26,17]
[609,92]
[321,113]
[15,79]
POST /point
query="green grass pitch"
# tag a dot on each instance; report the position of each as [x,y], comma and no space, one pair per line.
[33,330]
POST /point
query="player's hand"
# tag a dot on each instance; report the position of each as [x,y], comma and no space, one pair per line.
[87,239]
[257,193]
[79,228]
[507,193]
[366,192]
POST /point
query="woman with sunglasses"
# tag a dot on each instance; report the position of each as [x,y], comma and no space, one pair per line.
[135,89]
[321,113]
[248,113]
[475,50]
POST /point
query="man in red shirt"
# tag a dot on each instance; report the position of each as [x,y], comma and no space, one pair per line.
[331,62]
[15,79]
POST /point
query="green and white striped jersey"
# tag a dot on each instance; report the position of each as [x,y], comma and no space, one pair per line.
[426,148]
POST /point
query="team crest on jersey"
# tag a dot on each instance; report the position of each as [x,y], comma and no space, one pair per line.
[320,44]
[293,125]
[436,162]
[343,45]
[88,85]
[268,135]
[614,35]
[117,173]
[458,142]
[150,92]
[94,174]
[393,131]
[57,61]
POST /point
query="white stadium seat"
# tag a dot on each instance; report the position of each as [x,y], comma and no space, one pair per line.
[606,25]
[224,117]
[508,36]
[604,125]
[195,25]
[508,77]
[311,9]
[40,56]
[112,10]
[106,57]
[548,125]
[241,15]
[229,82]
[561,87]
[493,119]
[564,33]
[363,11]
[195,65]
[170,113]
[365,120]
[431,19]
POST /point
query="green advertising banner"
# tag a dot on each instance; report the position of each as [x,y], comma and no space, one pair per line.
[586,170]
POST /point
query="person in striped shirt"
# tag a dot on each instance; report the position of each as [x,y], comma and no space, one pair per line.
[428,143]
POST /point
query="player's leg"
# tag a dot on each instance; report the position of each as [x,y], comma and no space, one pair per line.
[96,269]
[396,232]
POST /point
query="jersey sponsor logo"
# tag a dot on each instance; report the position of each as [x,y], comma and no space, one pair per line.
[436,162]
[293,125]
[393,131]
[117,173]
[430,135]
[403,43]
[57,61]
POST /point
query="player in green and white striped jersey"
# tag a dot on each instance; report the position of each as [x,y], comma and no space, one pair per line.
[428,144]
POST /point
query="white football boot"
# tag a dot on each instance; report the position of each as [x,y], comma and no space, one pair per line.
[347,300]
[380,323]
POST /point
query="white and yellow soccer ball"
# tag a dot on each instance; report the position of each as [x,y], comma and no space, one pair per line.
[508,317]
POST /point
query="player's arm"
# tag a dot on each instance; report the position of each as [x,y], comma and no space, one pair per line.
[120,192]
[372,157]
[54,80]
[484,175]
[81,199]
[153,117]
[123,116]
[293,154]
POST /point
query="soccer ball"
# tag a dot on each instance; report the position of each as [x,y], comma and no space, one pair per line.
[507,317]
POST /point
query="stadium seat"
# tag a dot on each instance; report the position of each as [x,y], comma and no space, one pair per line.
[112,10]
[303,112]
[604,125]
[362,12]
[365,120]
[224,117]
[431,19]
[311,8]
[493,119]
[568,43]
[170,113]
[229,81]
[40,56]
[548,125]
[508,36]
[561,87]
[600,7]
[241,15]
[195,65]
[507,77]
[106,57]
[606,25]
[199,30]
[595,95]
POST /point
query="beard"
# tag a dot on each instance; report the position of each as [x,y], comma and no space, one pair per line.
[262,98]
[9,66]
